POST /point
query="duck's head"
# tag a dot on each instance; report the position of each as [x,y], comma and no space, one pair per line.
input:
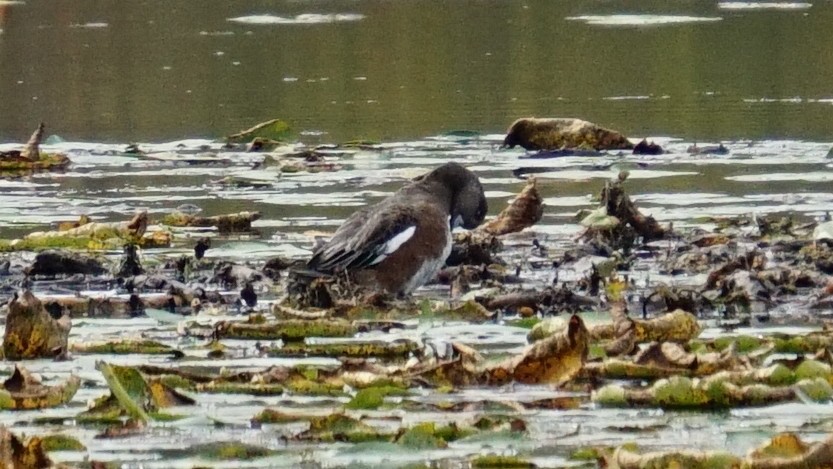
[468,204]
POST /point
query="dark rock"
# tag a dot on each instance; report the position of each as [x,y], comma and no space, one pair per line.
[54,263]
[645,148]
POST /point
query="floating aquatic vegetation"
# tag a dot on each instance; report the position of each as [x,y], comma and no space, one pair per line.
[133,396]
[31,158]
[448,376]
[785,451]
[124,347]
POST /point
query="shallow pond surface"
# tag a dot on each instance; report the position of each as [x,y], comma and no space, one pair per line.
[746,74]
[675,187]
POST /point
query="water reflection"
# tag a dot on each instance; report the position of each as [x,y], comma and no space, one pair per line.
[160,70]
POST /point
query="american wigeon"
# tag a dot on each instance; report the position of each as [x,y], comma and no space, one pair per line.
[400,243]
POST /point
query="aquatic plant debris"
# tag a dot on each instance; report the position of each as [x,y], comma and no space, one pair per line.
[31,332]
[202,350]
[31,159]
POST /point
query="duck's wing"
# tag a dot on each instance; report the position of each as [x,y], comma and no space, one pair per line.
[365,239]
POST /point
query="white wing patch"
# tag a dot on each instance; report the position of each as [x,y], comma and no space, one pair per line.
[395,243]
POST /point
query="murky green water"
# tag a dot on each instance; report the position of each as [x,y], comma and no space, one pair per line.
[154,70]
[405,72]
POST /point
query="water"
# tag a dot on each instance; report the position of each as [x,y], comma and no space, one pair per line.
[152,70]
[104,73]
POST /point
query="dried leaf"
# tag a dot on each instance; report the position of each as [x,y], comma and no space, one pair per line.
[524,211]
[31,332]
[554,360]
[14,454]
[23,392]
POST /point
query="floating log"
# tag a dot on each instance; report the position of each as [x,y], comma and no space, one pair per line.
[131,229]
[230,223]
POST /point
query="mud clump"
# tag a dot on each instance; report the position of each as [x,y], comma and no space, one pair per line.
[533,133]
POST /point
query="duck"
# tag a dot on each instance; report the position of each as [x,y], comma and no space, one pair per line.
[399,244]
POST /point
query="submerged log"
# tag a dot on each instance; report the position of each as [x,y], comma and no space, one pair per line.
[31,332]
[524,211]
[230,223]
[533,133]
